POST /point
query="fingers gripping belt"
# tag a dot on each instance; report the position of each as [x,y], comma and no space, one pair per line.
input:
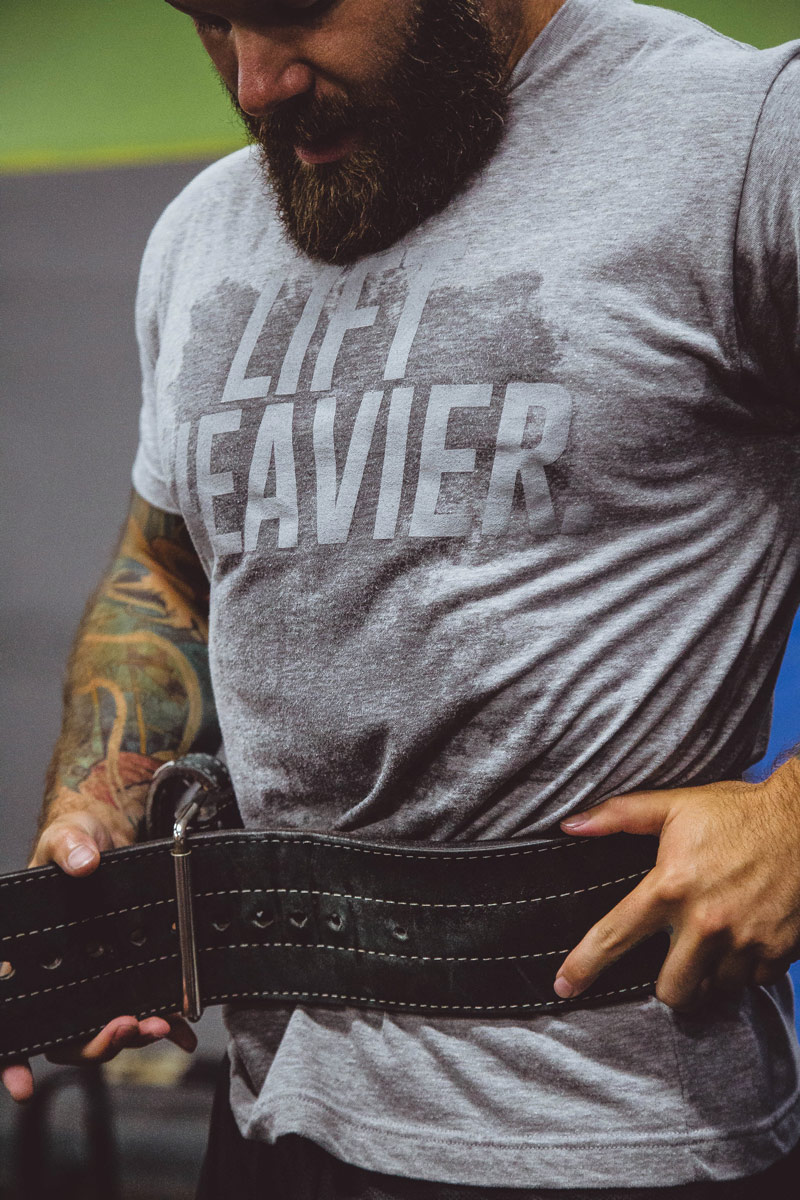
[474,930]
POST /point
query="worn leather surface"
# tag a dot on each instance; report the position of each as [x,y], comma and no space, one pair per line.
[450,930]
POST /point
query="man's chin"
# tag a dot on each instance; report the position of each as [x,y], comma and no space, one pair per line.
[337,242]
[338,207]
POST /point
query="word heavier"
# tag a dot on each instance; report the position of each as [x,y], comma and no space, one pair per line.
[296,448]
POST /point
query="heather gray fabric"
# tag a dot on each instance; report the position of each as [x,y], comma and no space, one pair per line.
[498,524]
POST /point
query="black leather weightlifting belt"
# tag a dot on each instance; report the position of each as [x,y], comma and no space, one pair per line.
[288,917]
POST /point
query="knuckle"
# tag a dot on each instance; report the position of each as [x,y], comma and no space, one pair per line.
[678,994]
[607,938]
[674,884]
[709,921]
[774,953]
[668,994]
[741,940]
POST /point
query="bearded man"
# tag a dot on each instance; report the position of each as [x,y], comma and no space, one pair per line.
[470,396]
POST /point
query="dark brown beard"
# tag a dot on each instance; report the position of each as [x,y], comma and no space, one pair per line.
[431,123]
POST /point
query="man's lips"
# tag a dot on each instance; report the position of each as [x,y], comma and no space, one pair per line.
[328,150]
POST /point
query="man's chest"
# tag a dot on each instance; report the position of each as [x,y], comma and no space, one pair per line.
[463,385]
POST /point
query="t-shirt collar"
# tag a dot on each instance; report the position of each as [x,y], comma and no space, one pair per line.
[560,30]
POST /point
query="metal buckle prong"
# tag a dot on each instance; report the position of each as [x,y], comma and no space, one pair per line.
[181,853]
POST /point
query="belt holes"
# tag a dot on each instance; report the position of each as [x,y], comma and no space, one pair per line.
[335,921]
[263,919]
[221,924]
[298,919]
[7,971]
[400,932]
[138,937]
[95,949]
[53,964]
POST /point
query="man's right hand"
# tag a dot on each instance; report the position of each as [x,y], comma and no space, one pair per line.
[74,842]
[143,647]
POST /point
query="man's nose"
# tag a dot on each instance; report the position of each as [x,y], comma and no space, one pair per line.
[268,72]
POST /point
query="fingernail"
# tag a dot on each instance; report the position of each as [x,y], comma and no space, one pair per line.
[576,821]
[160,1031]
[563,988]
[81,856]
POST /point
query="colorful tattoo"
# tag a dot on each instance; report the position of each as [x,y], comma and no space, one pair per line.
[138,689]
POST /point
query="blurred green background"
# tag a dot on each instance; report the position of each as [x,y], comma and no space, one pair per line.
[88,83]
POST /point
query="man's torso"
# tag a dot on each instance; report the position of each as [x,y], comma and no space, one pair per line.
[497,526]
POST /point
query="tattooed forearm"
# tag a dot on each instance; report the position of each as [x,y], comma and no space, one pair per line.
[138,690]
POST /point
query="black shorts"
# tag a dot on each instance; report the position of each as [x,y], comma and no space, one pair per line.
[295,1168]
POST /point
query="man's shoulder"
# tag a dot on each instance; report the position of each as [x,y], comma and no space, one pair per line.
[676,83]
[695,55]
[227,183]
[227,205]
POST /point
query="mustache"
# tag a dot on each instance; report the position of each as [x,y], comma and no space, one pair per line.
[304,120]
[376,109]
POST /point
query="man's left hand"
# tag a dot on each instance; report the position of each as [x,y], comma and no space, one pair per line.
[726,886]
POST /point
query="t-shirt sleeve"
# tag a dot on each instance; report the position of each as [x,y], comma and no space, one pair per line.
[767,258]
[150,478]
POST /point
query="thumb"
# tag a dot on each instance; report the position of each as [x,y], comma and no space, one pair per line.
[71,844]
[638,812]
[18,1081]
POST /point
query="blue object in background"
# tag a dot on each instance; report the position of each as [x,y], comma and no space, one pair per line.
[785,734]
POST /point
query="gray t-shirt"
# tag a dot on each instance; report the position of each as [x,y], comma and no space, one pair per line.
[500,523]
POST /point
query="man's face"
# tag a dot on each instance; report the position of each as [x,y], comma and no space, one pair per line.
[370,114]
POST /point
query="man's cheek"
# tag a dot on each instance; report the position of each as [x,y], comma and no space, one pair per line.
[358,51]
[223,58]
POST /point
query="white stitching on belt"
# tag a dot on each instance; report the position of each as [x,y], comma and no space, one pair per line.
[164,1008]
[381,953]
[34,878]
[407,854]
[118,912]
[59,987]
[255,837]
[311,996]
[418,903]
[370,1000]
[330,895]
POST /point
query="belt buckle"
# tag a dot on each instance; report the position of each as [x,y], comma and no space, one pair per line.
[208,794]
[181,853]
